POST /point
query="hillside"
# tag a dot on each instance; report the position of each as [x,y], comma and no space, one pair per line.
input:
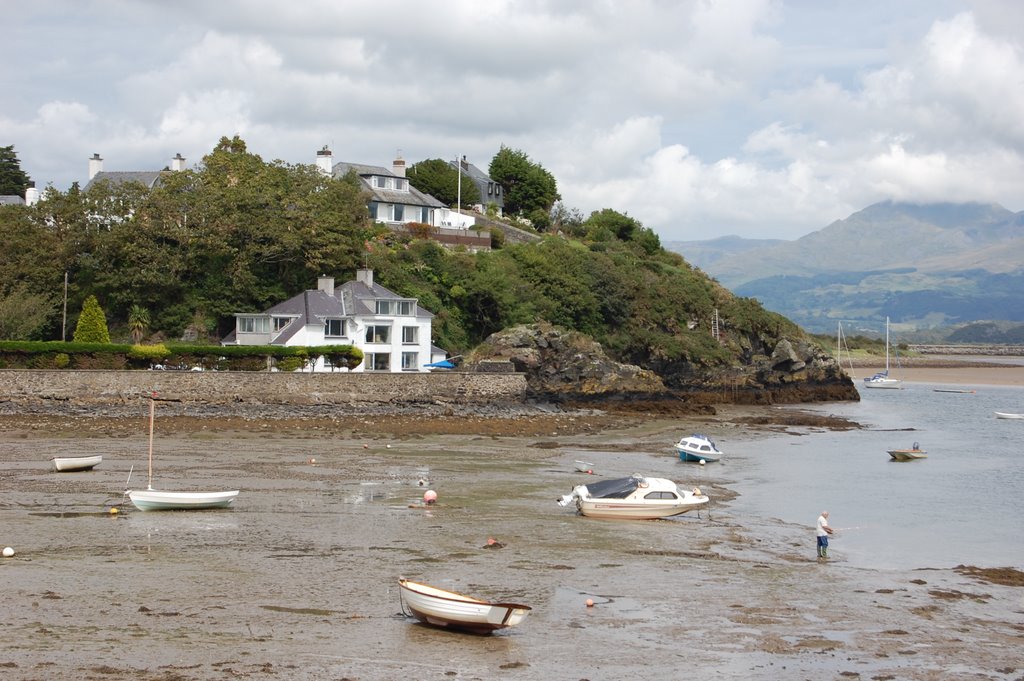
[921,265]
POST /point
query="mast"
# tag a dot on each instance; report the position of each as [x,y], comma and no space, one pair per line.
[152,414]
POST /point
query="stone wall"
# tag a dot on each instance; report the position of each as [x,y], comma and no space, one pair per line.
[232,387]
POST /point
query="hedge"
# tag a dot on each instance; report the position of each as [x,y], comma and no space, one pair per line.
[61,355]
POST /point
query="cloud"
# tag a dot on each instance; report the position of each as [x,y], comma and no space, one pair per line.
[699,118]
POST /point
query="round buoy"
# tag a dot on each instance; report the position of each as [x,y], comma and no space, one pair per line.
[8,552]
[590,602]
[312,460]
[366,446]
[430,496]
[490,541]
[113,510]
[388,446]
[702,462]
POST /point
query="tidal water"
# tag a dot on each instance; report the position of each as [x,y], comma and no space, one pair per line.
[964,504]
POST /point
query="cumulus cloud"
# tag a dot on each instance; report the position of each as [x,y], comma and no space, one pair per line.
[754,117]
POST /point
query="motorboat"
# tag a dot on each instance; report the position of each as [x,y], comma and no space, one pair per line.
[75,463]
[1008,415]
[911,454]
[698,448]
[636,497]
[442,608]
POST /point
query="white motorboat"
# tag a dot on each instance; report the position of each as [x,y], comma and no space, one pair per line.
[442,608]
[636,497]
[698,448]
[1008,415]
[150,499]
[911,454]
[76,463]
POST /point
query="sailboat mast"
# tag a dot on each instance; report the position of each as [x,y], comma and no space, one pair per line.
[152,414]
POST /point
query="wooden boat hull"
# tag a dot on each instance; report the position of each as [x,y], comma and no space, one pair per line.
[907,454]
[156,500]
[75,463]
[451,610]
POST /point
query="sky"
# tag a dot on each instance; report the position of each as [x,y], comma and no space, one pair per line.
[699,118]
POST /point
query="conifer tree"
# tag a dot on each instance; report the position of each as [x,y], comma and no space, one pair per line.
[92,323]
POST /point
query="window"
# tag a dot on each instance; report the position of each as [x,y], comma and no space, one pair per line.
[378,361]
[406,308]
[373,210]
[334,328]
[409,335]
[410,361]
[400,184]
[281,322]
[380,181]
[253,325]
[661,495]
[490,188]
[383,307]
[425,215]
[399,212]
[378,334]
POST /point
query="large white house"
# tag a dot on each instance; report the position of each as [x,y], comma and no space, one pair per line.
[392,331]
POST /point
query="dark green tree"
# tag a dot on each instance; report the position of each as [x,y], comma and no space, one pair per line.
[439,178]
[13,180]
[528,186]
[92,323]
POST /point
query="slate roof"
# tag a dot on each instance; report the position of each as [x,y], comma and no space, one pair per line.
[413,197]
[149,178]
[12,200]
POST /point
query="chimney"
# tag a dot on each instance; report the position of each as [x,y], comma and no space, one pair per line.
[95,165]
[464,163]
[325,284]
[324,162]
[365,276]
[178,163]
[31,194]
[398,167]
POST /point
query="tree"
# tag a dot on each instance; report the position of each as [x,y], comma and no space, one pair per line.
[92,323]
[13,180]
[23,314]
[138,322]
[439,178]
[528,186]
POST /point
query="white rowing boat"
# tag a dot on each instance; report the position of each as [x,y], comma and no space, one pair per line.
[442,608]
[75,463]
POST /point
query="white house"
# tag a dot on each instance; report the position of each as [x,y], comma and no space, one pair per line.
[392,331]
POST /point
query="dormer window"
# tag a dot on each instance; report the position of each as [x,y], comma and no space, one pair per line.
[380,181]
[334,328]
[400,184]
[383,307]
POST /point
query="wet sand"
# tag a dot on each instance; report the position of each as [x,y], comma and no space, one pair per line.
[299,579]
[950,371]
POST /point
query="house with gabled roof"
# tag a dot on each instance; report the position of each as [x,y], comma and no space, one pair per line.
[491,193]
[392,331]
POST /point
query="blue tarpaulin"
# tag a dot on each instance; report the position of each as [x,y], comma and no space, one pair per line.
[443,364]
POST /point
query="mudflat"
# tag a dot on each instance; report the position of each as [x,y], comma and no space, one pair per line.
[299,580]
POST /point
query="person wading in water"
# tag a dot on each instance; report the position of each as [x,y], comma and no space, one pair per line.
[823,533]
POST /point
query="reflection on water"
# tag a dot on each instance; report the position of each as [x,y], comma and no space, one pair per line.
[942,511]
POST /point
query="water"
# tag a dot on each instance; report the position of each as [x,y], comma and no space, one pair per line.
[961,505]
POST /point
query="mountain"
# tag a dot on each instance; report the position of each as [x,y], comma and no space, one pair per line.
[921,265]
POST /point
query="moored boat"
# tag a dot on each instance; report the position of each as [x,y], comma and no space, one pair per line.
[911,454]
[1008,415]
[636,497]
[442,608]
[697,448]
[76,463]
[159,500]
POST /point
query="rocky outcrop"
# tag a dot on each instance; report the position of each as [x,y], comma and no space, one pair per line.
[567,366]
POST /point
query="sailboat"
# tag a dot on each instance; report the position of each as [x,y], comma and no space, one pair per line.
[150,499]
[882,379]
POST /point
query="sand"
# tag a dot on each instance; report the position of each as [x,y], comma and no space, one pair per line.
[299,579]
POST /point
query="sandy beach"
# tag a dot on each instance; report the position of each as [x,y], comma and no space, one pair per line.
[953,372]
[299,579]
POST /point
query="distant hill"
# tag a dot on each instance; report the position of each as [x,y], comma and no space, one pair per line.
[924,266]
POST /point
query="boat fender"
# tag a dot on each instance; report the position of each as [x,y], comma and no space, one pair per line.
[642,485]
[696,491]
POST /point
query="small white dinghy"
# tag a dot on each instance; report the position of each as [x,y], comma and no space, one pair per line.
[1008,415]
[150,499]
[75,463]
[442,608]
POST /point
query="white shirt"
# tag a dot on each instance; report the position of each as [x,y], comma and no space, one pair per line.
[822,524]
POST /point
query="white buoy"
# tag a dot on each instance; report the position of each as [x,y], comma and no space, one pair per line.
[702,462]
[8,552]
